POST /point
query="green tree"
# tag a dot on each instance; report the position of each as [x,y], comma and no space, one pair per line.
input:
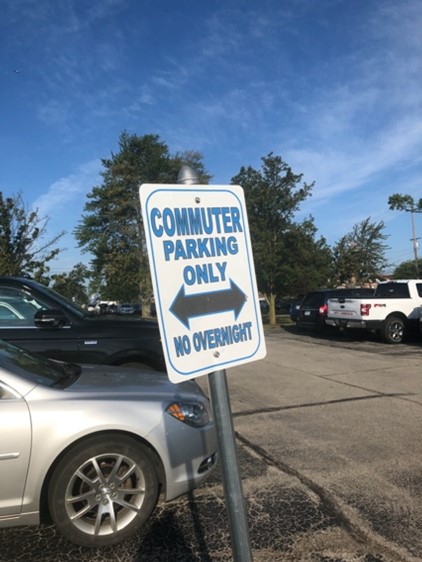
[22,249]
[111,228]
[359,256]
[406,270]
[73,285]
[308,261]
[399,202]
[273,194]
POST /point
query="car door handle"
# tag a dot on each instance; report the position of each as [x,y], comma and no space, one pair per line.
[8,456]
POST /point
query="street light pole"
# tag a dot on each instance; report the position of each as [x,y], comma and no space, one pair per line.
[415,242]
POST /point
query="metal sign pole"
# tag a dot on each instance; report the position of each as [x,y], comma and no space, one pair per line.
[232,483]
[233,491]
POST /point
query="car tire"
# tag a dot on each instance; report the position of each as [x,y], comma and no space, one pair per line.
[103,490]
[393,329]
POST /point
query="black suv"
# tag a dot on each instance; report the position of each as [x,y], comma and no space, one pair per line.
[313,309]
[38,319]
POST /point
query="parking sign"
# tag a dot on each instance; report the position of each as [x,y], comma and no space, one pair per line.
[203,277]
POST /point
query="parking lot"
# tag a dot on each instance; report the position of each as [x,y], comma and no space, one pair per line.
[329,439]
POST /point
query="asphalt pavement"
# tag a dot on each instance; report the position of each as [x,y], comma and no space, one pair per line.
[343,414]
[330,449]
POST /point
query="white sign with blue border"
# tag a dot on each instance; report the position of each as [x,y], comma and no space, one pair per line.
[203,277]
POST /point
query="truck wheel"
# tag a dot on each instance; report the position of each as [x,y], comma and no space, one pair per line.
[393,330]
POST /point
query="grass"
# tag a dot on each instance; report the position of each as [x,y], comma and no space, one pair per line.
[281,320]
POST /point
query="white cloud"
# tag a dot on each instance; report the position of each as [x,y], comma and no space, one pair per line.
[337,170]
[55,113]
[67,192]
[63,205]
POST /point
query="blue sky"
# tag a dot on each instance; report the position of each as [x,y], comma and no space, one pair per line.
[332,86]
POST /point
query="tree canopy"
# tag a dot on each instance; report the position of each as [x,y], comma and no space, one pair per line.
[359,255]
[23,251]
[399,202]
[111,228]
[408,270]
[308,261]
[281,247]
[73,284]
[289,256]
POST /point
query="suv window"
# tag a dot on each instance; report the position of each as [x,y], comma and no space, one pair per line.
[393,290]
[17,308]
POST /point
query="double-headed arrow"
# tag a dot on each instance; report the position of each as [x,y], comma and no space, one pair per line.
[185,306]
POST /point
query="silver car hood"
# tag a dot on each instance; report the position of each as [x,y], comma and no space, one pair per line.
[130,380]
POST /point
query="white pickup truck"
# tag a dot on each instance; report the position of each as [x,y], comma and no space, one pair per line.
[393,310]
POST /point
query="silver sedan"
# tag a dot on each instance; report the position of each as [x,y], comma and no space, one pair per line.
[92,448]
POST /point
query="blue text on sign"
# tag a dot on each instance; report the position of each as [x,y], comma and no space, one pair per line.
[214,338]
[192,248]
[195,221]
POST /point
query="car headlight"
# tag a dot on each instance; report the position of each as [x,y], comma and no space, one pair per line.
[191,413]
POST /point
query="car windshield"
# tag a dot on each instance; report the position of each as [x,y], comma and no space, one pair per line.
[36,368]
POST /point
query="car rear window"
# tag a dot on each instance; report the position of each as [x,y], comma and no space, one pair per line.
[313,299]
[318,298]
[393,290]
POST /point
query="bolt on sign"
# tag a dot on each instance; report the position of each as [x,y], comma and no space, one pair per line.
[203,276]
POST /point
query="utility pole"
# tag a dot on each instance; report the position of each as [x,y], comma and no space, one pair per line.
[415,242]
[399,202]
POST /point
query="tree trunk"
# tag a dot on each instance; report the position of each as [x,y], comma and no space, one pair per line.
[273,317]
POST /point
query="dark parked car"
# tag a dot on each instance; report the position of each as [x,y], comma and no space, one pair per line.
[294,306]
[39,319]
[312,312]
[264,306]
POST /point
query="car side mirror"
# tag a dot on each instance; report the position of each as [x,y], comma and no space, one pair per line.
[53,318]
